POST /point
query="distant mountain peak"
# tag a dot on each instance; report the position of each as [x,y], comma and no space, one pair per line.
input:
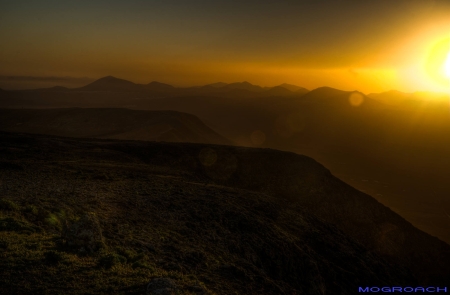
[157,83]
[158,86]
[217,85]
[325,91]
[111,79]
[358,92]
[293,88]
[327,88]
[277,91]
[110,83]
[244,85]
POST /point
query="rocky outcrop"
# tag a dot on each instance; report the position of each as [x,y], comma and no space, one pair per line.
[84,235]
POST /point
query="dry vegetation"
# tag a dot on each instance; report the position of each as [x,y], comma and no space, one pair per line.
[230,227]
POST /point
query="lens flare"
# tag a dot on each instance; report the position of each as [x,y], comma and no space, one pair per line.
[208,156]
[258,137]
[356,99]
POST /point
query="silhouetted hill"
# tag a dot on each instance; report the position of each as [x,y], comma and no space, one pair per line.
[302,91]
[327,96]
[293,88]
[212,218]
[158,86]
[278,91]
[326,92]
[110,123]
[128,90]
[390,97]
[111,83]
[244,85]
[217,85]
[55,88]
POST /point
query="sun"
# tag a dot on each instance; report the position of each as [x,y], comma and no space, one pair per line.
[447,66]
[438,63]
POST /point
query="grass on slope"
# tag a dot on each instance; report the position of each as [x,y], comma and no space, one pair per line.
[161,222]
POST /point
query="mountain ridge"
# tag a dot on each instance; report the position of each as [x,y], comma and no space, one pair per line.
[111,123]
[111,83]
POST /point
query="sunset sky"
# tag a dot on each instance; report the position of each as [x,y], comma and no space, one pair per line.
[370,46]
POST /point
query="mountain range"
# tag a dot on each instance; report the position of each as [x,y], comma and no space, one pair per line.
[110,83]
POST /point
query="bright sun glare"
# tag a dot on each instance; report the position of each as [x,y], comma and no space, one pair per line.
[447,66]
[437,66]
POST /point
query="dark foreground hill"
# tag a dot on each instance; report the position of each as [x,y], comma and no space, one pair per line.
[169,126]
[207,219]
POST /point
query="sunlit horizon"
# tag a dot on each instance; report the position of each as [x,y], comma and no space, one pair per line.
[369,47]
[380,80]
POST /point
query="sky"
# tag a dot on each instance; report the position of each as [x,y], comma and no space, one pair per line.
[371,46]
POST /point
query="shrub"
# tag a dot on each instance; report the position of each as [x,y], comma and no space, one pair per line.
[31,209]
[56,219]
[53,220]
[139,264]
[138,257]
[111,259]
[128,254]
[8,205]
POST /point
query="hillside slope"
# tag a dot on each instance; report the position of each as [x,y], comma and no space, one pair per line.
[110,123]
[214,219]
[310,188]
